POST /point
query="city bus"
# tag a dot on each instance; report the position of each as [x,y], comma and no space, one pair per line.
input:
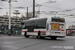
[44,27]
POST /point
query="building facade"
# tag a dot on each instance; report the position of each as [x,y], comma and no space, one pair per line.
[71,27]
[4,20]
[15,24]
[71,30]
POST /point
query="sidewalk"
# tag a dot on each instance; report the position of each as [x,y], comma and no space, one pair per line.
[11,35]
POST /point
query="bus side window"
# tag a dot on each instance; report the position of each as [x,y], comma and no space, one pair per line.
[47,26]
[23,26]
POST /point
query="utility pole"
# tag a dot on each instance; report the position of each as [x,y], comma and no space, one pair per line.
[9,33]
[33,8]
[27,13]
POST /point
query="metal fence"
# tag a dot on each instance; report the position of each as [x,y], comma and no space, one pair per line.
[14,30]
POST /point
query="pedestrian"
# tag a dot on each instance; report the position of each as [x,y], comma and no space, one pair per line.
[16,32]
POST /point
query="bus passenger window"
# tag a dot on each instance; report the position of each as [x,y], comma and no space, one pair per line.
[23,26]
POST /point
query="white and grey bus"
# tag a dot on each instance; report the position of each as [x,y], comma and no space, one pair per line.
[44,27]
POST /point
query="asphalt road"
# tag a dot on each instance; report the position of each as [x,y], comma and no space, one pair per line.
[32,43]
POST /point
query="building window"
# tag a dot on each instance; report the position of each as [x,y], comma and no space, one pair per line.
[6,18]
[12,18]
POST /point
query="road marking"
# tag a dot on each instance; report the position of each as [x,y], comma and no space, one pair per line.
[70,37]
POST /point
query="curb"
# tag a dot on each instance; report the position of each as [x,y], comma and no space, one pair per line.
[11,36]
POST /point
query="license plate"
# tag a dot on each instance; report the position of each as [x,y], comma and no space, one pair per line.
[57,32]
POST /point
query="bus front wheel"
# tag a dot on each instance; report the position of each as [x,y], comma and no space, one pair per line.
[25,34]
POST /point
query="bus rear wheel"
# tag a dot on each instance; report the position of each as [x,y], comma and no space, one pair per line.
[53,38]
[25,34]
[42,37]
[39,36]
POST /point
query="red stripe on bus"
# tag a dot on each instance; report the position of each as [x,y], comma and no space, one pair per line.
[35,31]
[41,31]
[23,31]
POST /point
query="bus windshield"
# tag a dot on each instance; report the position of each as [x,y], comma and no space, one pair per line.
[57,19]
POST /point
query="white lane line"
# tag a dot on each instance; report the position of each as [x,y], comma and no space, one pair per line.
[70,37]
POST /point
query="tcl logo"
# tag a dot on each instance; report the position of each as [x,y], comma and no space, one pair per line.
[61,30]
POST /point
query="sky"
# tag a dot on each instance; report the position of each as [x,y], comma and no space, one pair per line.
[60,6]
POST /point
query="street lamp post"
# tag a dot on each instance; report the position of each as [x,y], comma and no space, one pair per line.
[9,33]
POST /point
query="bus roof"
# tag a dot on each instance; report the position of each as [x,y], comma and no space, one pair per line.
[33,19]
[58,18]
